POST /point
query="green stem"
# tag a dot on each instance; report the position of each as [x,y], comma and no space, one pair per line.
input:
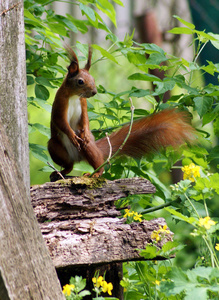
[214,256]
[196,57]
[152,209]
[213,261]
[192,205]
[205,205]
[141,277]
[122,145]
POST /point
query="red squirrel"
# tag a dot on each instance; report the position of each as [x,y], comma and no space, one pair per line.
[72,141]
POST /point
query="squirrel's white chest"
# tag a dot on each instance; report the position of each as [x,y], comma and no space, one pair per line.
[73,117]
[74,112]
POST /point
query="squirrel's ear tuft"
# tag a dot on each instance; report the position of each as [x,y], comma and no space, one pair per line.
[88,64]
[71,54]
[73,69]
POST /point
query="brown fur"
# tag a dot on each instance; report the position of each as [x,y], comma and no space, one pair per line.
[166,128]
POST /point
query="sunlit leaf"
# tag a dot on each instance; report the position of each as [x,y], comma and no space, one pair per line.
[104,53]
[145,77]
[189,25]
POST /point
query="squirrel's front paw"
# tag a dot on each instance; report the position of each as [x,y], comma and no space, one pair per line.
[76,141]
[85,136]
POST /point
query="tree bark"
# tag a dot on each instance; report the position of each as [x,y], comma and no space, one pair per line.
[81,225]
[13,98]
[26,269]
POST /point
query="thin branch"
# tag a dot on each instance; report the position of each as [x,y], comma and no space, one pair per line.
[60,174]
[4,12]
[110,147]
[122,145]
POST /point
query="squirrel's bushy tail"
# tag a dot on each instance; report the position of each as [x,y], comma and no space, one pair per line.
[169,127]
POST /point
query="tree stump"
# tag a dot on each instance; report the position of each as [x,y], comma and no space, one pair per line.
[84,231]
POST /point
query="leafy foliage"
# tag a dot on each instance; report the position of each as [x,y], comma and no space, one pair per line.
[187,202]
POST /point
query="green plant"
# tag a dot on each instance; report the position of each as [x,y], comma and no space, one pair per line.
[192,204]
[75,290]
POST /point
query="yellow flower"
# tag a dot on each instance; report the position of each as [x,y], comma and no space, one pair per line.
[191,172]
[155,235]
[98,281]
[206,222]
[217,247]
[67,289]
[137,217]
[163,230]
[157,282]
[128,213]
[107,287]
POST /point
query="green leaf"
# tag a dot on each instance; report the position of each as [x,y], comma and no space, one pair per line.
[105,53]
[210,68]
[216,42]
[164,86]
[199,293]
[78,23]
[216,127]
[189,25]
[30,80]
[79,282]
[42,129]
[180,216]
[58,28]
[205,272]
[107,8]
[119,2]
[44,81]
[181,30]
[203,104]
[149,252]
[112,37]
[46,169]
[169,246]
[155,59]
[38,152]
[178,283]
[151,48]
[31,17]
[208,117]
[67,22]
[136,58]
[214,153]
[41,92]
[214,182]
[43,104]
[203,36]
[89,12]
[139,93]
[41,1]
[84,293]
[145,77]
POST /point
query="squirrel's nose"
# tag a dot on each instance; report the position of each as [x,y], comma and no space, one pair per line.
[94,91]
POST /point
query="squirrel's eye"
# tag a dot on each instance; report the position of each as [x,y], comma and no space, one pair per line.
[80,81]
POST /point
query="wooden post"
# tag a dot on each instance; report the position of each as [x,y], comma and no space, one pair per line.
[84,231]
[26,269]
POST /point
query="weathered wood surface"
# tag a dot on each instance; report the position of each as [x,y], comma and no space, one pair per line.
[81,225]
[26,269]
[82,197]
[13,90]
